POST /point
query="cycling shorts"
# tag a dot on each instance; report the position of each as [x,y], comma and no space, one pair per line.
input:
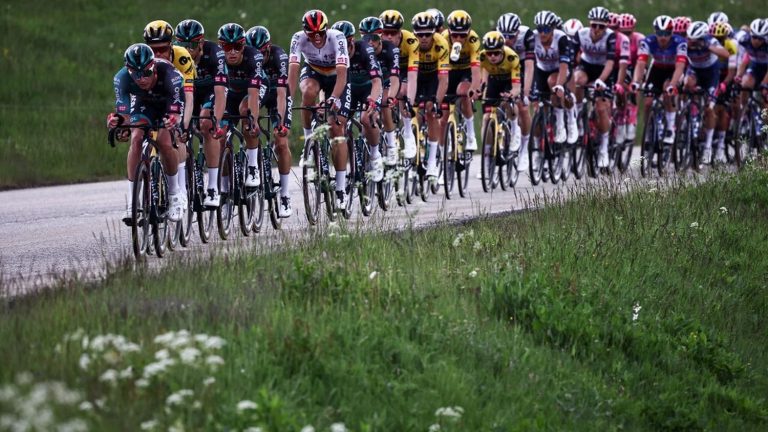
[494,88]
[327,83]
[757,70]
[658,76]
[456,77]
[426,86]
[593,72]
[270,103]
[706,78]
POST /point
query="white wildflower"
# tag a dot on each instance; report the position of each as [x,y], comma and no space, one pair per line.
[214,342]
[111,357]
[165,338]
[308,428]
[84,362]
[85,406]
[636,311]
[473,273]
[477,246]
[373,275]
[24,378]
[458,239]
[177,398]
[209,381]
[694,224]
[142,383]
[214,361]
[109,376]
[246,405]
[252,429]
[149,425]
[723,210]
[101,402]
[189,355]
[453,413]
[338,427]
[74,425]
[126,373]
[434,427]
[162,354]
[7,393]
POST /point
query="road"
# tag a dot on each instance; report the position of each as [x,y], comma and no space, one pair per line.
[60,232]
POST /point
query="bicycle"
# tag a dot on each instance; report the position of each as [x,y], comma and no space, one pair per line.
[653,135]
[418,179]
[233,165]
[269,186]
[621,152]
[360,155]
[456,160]
[686,151]
[149,197]
[749,135]
[542,146]
[387,185]
[586,153]
[497,142]
[196,189]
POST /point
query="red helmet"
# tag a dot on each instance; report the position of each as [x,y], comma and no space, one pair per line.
[613,21]
[681,24]
[627,21]
[314,21]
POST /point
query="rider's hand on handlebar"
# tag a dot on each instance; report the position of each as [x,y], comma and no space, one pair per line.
[559,90]
[281,130]
[333,103]
[113,120]
[171,120]
[634,86]
[600,84]
[671,90]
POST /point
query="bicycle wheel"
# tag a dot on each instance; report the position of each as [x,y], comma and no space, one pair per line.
[353,159]
[271,188]
[536,144]
[488,161]
[140,199]
[449,152]
[204,216]
[158,215]
[310,181]
[225,210]
[681,150]
[743,137]
[366,188]
[510,168]
[625,155]
[464,159]
[385,187]
[251,207]
[648,144]
[580,149]
[421,187]
[554,152]
[185,226]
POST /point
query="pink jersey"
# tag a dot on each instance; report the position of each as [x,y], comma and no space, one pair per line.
[634,42]
[622,48]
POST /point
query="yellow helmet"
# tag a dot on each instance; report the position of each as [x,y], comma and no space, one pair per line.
[423,21]
[720,29]
[459,21]
[493,40]
[158,31]
[392,19]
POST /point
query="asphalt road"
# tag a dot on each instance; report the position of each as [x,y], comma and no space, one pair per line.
[54,233]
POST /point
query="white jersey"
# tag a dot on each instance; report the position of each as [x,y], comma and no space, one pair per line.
[549,59]
[597,52]
[324,59]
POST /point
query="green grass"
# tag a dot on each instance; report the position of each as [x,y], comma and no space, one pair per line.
[58,59]
[635,311]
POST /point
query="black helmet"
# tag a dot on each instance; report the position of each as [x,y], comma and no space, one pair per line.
[189,30]
[345,27]
[257,37]
[231,33]
[138,56]
[371,24]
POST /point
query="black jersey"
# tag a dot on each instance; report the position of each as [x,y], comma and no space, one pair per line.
[166,91]
[276,67]
[363,66]
[249,73]
[211,67]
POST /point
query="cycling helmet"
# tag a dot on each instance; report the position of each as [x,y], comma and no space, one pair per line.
[663,22]
[558,22]
[345,27]
[493,40]
[572,26]
[717,17]
[314,20]
[614,20]
[439,18]
[759,27]
[508,24]
[392,19]
[698,30]
[231,33]
[138,56]
[598,14]
[459,21]
[627,21]
[680,24]
[189,30]
[257,37]
[423,21]
[545,18]
[370,24]
[158,31]
[720,29]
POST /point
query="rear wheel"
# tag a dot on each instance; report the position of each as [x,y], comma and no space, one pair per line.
[488,161]
[159,213]
[647,145]
[310,181]
[226,180]
[449,159]
[205,217]
[140,198]
[536,144]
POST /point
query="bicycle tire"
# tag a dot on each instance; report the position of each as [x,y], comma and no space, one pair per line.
[226,182]
[449,152]
[311,186]
[681,149]
[625,155]
[159,212]
[580,150]
[554,161]
[185,228]
[647,145]
[140,199]
[463,158]
[205,216]
[512,173]
[536,147]
[253,198]
[271,189]
[488,160]
[366,190]
[743,137]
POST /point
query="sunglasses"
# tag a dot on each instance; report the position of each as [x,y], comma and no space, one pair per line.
[391,32]
[598,26]
[161,49]
[144,73]
[509,35]
[663,33]
[188,45]
[372,37]
[757,38]
[238,46]
[459,35]
[422,35]
[493,53]
[315,35]
[544,29]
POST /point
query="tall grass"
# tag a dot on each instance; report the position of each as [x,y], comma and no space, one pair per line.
[617,311]
[57,62]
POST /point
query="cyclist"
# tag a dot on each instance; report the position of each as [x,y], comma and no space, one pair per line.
[392,21]
[704,72]
[669,60]
[619,74]
[680,26]
[246,85]
[722,32]
[597,45]
[148,90]
[210,94]
[500,73]
[521,39]
[464,76]
[627,27]
[432,82]
[278,103]
[327,59]
[158,35]
[552,71]
[365,88]
[388,56]
[753,74]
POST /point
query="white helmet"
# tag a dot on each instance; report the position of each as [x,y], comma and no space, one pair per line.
[717,17]
[572,26]
[698,30]
[508,24]
[759,27]
[663,22]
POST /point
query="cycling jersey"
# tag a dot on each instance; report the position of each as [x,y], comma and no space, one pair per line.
[507,69]
[324,59]
[667,57]
[635,39]
[249,73]
[699,54]
[548,59]
[435,59]
[276,68]
[729,62]
[164,96]
[363,66]
[469,55]
[409,52]
[598,52]
[524,43]
[211,68]
[183,62]
[756,55]
[389,60]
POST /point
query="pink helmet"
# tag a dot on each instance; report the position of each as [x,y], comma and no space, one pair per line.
[627,21]
[681,24]
[613,20]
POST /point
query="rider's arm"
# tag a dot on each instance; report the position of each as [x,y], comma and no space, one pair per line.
[529,41]
[564,50]
[474,61]
[282,82]
[173,90]
[294,62]
[220,85]
[255,85]
[342,63]
[122,95]
[680,64]
[610,59]
[515,76]
[643,52]
[443,68]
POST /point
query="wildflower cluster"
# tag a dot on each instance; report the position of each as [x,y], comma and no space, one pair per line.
[446,417]
[40,406]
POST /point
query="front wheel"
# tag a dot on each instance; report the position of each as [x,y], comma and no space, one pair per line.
[160,206]
[648,145]
[310,181]
[225,210]
[488,161]
[681,150]
[536,145]
[140,199]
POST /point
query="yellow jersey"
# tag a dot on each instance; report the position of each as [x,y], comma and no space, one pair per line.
[181,58]
[434,59]
[409,52]
[470,51]
[508,68]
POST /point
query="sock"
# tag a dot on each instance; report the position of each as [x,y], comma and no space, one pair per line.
[213,177]
[559,115]
[182,176]
[341,180]
[407,130]
[432,148]
[375,154]
[284,185]
[173,183]
[469,122]
[632,117]
[604,141]
[253,157]
[708,133]
[390,136]
[130,192]
[524,144]
[720,139]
